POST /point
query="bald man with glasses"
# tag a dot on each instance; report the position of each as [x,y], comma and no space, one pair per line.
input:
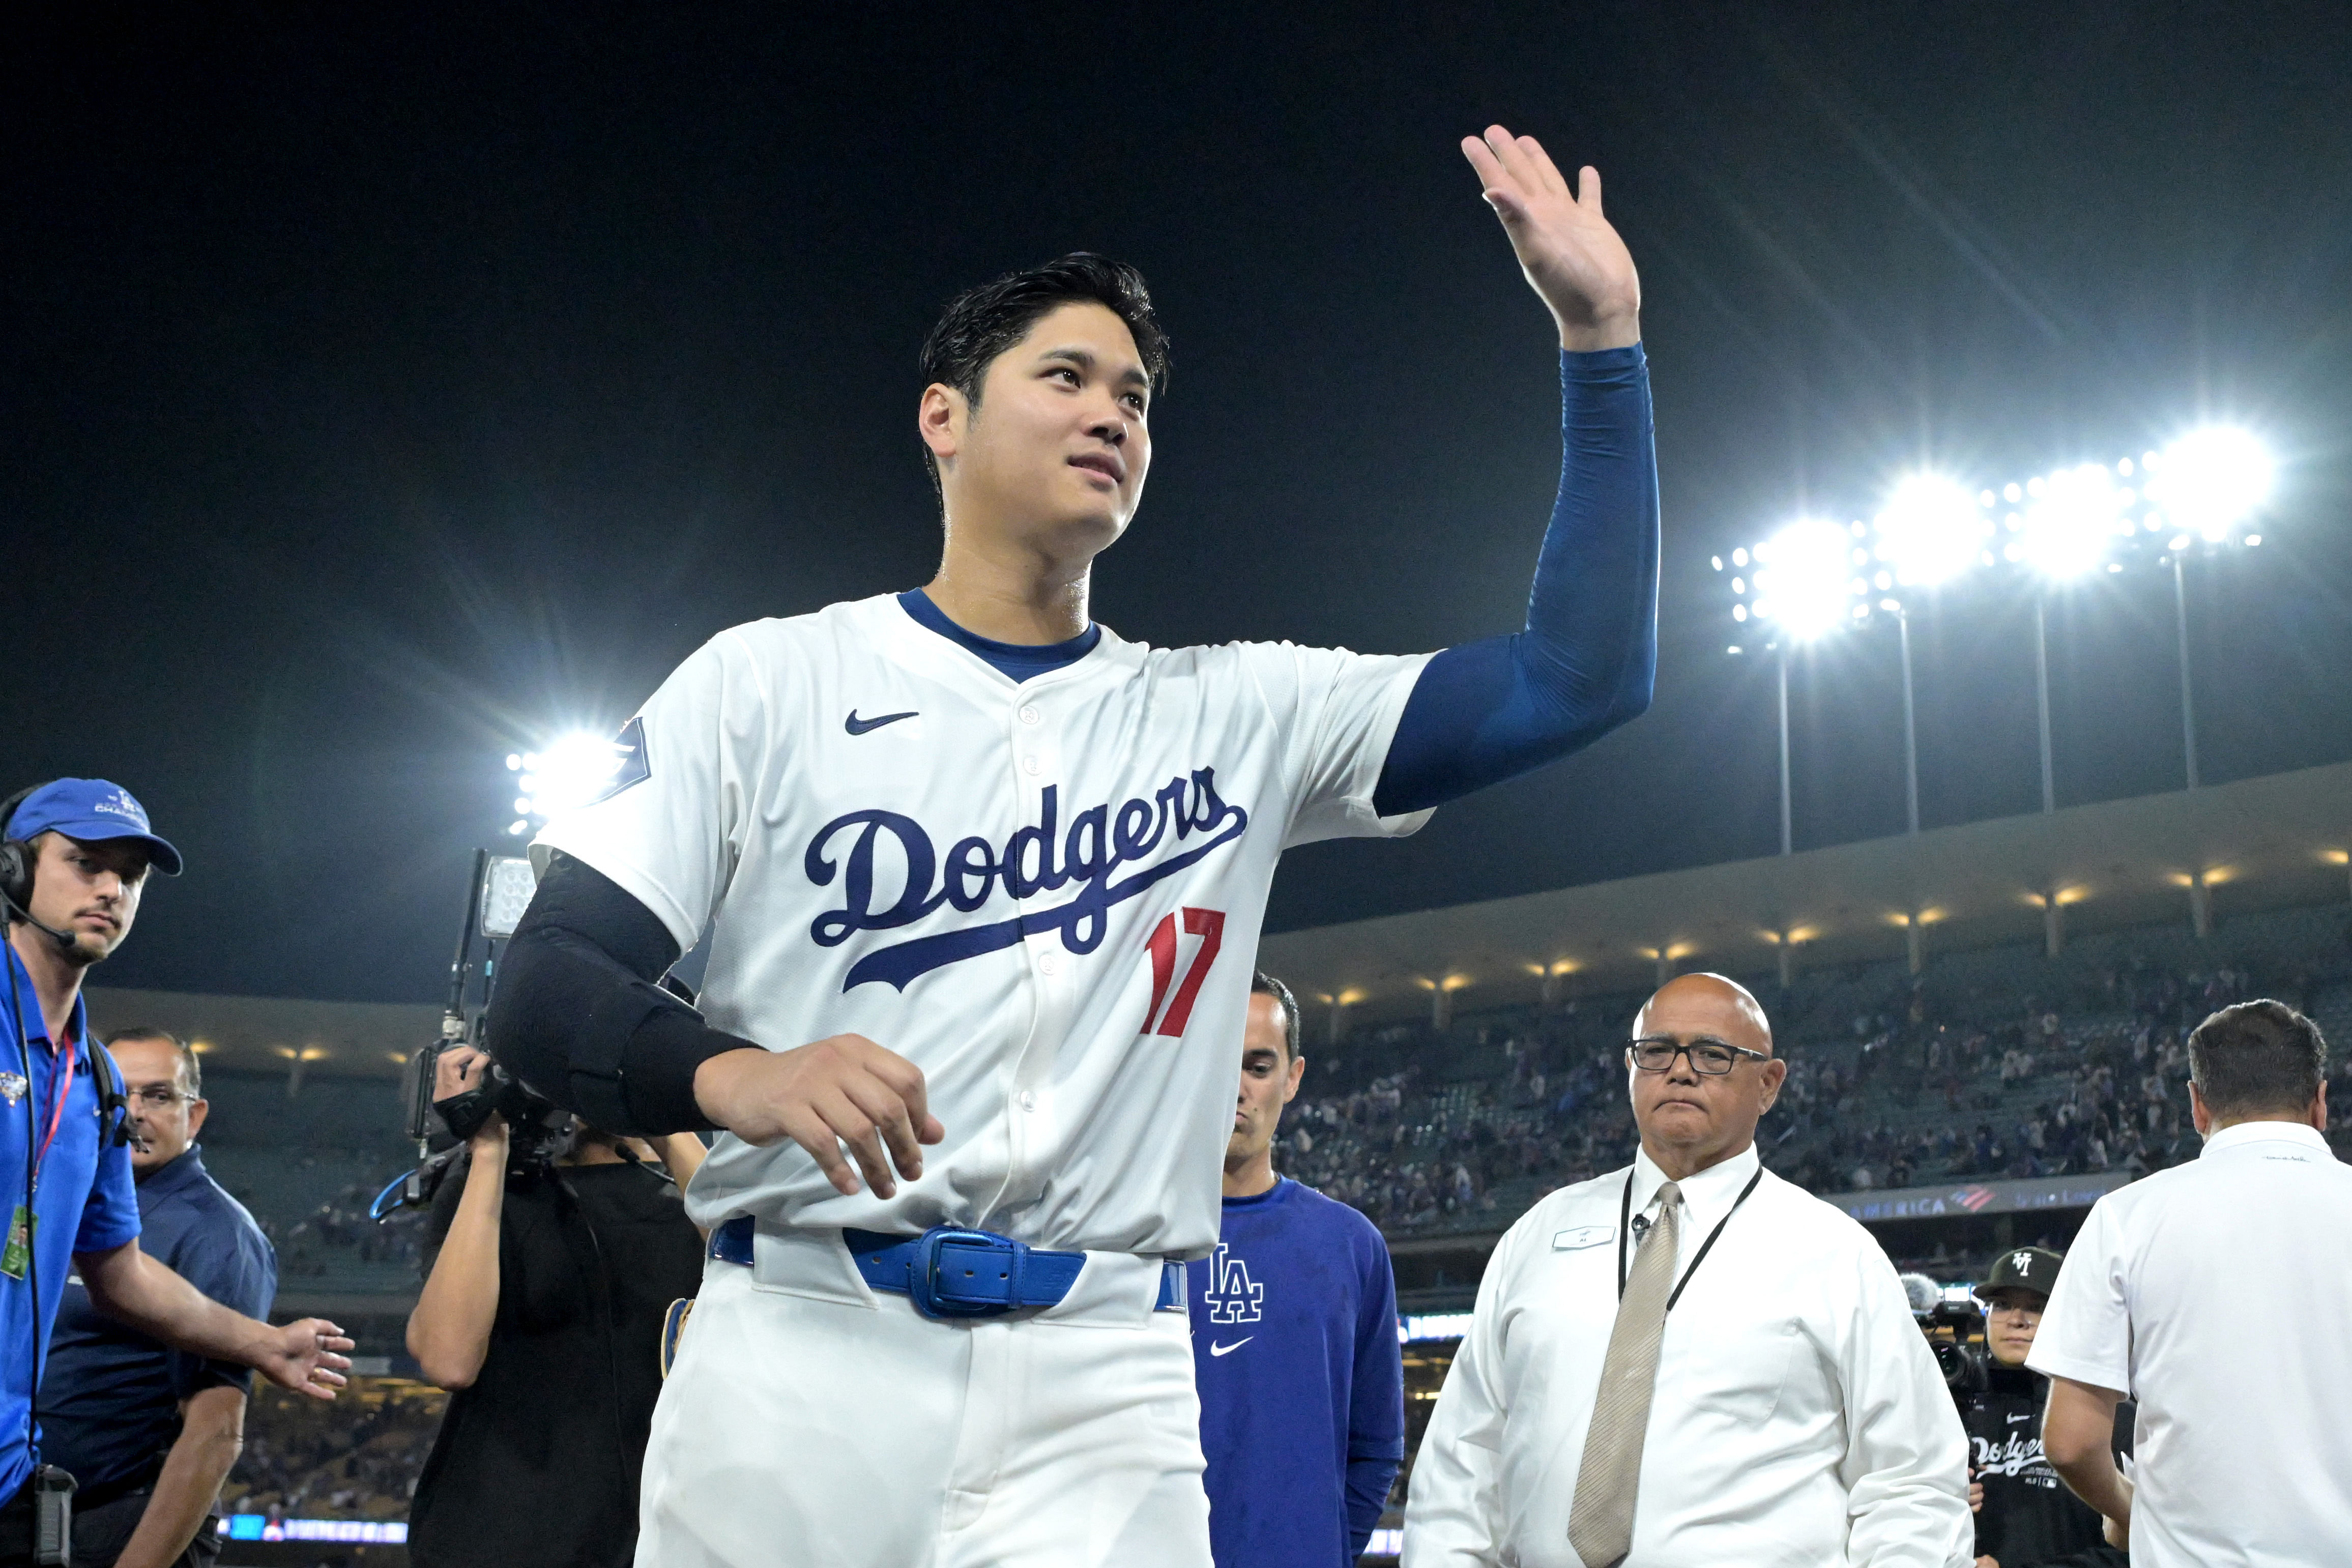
[1690,1362]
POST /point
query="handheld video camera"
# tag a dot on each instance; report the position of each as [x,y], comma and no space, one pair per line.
[539,1130]
[1955,1333]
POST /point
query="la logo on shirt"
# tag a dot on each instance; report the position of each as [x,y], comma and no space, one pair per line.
[1233,1296]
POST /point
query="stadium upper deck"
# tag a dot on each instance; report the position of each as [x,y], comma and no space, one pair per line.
[2194,857]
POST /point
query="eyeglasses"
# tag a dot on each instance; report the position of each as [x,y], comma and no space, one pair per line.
[2020,1308]
[156,1097]
[1712,1058]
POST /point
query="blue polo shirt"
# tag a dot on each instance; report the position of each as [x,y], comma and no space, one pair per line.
[111,1398]
[85,1202]
[1301,1380]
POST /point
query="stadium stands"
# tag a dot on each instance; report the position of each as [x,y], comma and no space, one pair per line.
[2003,1062]
[356,1458]
[308,1164]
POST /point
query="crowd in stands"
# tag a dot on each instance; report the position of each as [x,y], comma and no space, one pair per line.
[306,1244]
[306,1166]
[1918,1083]
[355,1458]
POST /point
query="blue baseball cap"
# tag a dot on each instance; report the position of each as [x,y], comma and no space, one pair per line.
[93,811]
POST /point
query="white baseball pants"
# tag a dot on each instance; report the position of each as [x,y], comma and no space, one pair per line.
[809,1421]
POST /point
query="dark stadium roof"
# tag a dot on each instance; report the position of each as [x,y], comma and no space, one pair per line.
[261,1034]
[2260,843]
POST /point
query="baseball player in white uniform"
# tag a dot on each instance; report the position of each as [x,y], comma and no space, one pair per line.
[982,882]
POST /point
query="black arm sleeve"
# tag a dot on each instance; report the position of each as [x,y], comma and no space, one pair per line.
[579,1014]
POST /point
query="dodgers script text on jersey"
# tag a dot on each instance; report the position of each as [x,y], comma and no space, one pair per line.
[1045,894]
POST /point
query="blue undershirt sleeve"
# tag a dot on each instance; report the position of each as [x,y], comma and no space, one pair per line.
[1588,658]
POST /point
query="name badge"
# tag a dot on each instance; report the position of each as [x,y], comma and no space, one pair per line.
[1582,1237]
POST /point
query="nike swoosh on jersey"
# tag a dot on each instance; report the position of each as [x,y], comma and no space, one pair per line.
[1217,1350]
[857,726]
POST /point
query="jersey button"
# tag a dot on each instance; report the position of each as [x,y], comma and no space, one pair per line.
[1048,964]
[1029,767]
[1029,715]
[1028,1100]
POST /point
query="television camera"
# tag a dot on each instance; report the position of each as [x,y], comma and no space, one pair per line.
[1955,1333]
[539,1130]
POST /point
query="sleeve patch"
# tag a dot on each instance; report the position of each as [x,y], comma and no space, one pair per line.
[631,763]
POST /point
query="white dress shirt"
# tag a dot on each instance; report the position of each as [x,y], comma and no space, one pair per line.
[2213,1294]
[1799,1419]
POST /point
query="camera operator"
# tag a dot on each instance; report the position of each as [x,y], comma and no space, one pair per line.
[2025,1517]
[550,1267]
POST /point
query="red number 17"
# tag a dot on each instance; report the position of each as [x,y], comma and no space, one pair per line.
[1209,925]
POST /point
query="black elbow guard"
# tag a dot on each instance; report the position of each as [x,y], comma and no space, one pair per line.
[597,1036]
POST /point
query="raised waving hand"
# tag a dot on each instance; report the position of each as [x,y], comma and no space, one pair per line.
[1572,255]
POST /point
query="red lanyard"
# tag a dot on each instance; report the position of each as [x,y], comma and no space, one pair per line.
[63,1073]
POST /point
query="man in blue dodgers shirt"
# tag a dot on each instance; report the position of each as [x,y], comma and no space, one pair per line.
[1294,1340]
[74,856]
[150,1433]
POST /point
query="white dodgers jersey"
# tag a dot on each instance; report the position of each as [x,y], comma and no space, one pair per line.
[1046,895]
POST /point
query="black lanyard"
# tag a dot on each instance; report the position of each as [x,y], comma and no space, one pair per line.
[1626,1216]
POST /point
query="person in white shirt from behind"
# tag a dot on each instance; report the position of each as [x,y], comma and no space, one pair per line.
[1797,1416]
[2213,1293]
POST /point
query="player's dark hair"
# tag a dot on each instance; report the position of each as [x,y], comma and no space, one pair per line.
[1265,984]
[2256,1059]
[989,317]
[191,1071]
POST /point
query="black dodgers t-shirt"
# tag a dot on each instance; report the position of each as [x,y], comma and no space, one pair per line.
[2029,1515]
[536,1465]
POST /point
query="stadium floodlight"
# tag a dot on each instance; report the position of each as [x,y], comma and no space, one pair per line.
[574,770]
[507,883]
[2209,486]
[2072,521]
[1805,581]
[2211,480]
[2206,483]
[1931,530]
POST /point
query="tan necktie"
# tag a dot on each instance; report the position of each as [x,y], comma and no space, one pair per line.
[1601,1518]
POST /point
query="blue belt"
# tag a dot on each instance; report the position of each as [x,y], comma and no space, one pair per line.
[950,1272]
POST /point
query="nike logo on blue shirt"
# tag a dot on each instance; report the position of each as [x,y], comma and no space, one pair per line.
[1215,1349]
[857,726]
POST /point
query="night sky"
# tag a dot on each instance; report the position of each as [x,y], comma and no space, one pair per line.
[383,393]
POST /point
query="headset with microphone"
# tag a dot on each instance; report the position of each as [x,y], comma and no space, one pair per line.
[17,861]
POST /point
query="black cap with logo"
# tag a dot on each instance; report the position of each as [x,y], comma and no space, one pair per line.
[2033,1269]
